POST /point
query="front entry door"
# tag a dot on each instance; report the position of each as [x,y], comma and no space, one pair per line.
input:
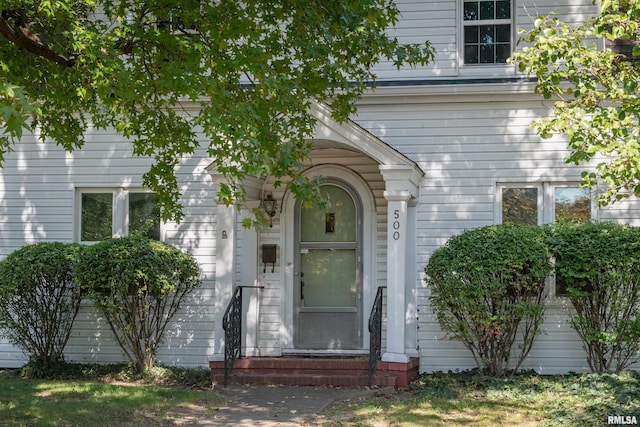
[328,296]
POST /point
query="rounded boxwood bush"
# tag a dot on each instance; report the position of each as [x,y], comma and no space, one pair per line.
[487,289]
[39,299]
[598,266]
[138,284]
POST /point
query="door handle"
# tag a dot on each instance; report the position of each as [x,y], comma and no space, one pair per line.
[301,287]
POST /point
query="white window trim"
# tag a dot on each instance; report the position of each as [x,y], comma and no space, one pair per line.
[546,199]
[550,200]
[497,212]
[119,214]
[491,69]
[78,210]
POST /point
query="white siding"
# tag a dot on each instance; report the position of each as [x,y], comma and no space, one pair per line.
[420,21]
[466,137]
[438,21]
[271,298]
[466,144]
[10,356]
[37,203]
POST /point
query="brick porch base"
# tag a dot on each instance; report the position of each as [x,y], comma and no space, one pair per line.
[316,371]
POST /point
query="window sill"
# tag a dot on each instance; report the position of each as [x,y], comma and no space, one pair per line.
[484,70]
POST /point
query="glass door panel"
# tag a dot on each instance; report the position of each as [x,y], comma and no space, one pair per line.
[327,303]
[329,278]
[337,223]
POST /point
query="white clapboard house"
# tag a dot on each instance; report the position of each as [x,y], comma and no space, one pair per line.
[432,152]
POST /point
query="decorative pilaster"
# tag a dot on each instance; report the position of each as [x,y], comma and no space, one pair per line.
[226,255]
[248,276]
[401,186]
[225,270]
[396,295]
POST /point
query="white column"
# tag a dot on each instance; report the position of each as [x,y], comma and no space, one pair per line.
[401,191]
[226,248]
[396,292]
[248,276]
[225,271]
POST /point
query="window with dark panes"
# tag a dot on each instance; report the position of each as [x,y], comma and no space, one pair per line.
[556,203]
[144,215]
[572,205]
[487,31]
[117,212]
[520,205]
[177,16]
[562,204]
[96,219]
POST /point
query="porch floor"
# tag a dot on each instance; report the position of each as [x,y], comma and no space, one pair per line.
[316,371]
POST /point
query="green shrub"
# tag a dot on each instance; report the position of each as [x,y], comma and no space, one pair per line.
[39,300]
[599,265]
[487,287]
[138,285]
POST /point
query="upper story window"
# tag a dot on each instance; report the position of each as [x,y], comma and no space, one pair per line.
[176,17]
[106,213]
[487,31]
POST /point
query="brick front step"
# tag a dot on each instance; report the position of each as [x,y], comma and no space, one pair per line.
[315,371]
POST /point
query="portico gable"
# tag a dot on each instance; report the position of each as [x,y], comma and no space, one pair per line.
[401,177]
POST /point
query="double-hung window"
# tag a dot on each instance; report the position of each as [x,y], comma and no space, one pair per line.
[543,203]
[530,203]
[106,212]
[487,31]
[520,204]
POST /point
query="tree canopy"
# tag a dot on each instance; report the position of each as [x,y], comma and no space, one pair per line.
[251,67]
[596,91]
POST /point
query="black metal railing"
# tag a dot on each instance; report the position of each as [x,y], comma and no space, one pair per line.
[375,333]
[232,325]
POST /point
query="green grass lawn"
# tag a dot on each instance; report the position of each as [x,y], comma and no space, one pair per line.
[90,395]
[113,399]
[469,399]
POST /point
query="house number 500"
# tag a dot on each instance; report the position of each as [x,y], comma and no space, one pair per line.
[396,224]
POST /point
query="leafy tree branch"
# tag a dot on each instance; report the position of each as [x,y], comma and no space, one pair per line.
[251,68]
[595,89]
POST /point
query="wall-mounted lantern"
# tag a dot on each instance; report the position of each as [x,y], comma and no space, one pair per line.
[269,204]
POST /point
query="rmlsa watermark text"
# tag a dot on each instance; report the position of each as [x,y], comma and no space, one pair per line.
[622,420]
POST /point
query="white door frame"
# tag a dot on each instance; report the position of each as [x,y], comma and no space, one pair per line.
[288,244]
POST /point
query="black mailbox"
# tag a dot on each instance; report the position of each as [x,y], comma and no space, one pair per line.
[269,256]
